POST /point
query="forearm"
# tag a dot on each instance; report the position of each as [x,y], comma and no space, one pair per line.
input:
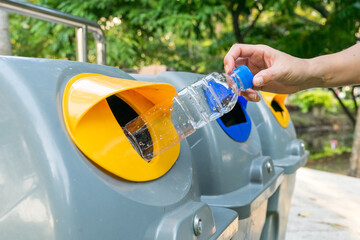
[338,69]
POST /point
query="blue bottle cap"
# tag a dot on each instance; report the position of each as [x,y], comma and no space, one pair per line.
[244,73]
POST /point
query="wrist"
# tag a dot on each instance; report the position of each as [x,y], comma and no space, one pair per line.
[317,74]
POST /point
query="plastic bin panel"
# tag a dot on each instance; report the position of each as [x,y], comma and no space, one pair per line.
[43,170]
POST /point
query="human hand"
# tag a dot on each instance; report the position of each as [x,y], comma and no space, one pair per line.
[274,71]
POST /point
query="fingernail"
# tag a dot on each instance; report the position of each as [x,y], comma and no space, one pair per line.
[258,81]
[226,69]
[253,96]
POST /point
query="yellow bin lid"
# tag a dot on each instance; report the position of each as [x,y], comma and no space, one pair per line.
[278,101]
[96,132]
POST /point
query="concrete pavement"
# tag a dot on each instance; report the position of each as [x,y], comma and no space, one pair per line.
[324,206]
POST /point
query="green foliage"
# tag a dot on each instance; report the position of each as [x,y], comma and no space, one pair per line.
[331,160]
[327,151]
[306,100]
[349,104]
[29,38]
[191,35]
[319,27]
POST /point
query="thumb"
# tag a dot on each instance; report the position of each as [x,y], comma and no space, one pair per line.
[264,77]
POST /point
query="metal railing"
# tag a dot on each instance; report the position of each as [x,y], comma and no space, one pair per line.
[82,26]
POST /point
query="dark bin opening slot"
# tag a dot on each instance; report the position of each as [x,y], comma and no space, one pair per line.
[275,105]
[121,110]
[234,117]
[123,114]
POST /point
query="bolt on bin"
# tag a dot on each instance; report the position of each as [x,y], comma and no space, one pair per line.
[278,140]
[69,172]
[231,170]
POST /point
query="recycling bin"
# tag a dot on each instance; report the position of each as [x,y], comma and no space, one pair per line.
[278,140]
[231,170]
[67,170]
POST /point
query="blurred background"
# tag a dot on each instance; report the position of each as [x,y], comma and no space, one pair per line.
[194,36]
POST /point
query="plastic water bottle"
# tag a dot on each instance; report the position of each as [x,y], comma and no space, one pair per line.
[192,108]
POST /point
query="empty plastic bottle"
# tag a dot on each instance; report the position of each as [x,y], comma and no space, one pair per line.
[192,108]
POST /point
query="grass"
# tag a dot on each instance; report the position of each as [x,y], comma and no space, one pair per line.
[335,163]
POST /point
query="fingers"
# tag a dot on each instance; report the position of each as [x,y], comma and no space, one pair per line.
[229,60]
[269,80]
[251,95]
[264,77]
[235,52]
[276,87]
[241,61]
[248,94]
[273,70]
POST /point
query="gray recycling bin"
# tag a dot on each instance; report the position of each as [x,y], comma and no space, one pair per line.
[68,172]
[278,140]
[231,169]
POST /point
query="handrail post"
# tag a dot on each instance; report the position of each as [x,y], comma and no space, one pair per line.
[82,26]
[100,47]
[81,44]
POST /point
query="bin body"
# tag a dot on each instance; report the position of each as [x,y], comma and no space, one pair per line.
[278,140]
[232,173]
[50,190]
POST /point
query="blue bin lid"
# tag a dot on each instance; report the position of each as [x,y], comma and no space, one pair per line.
[240,129]
[236,123]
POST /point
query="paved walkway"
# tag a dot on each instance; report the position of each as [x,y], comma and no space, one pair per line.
[324,206]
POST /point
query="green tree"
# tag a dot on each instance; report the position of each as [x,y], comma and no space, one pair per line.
[193,35]
[138,32]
